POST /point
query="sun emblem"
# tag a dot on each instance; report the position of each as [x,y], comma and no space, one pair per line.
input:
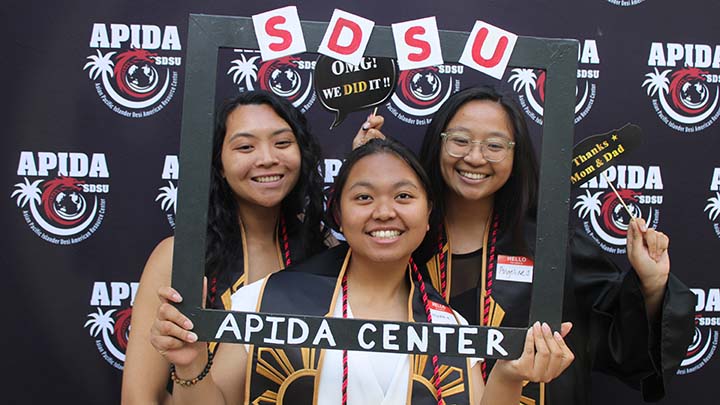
[451,378]
[275,365]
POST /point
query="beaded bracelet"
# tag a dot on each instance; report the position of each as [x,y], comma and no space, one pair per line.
[188,383]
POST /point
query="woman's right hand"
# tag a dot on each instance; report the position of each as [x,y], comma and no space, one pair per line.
[370,129]
[171,333]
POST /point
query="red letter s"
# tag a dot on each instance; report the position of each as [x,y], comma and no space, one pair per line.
[417,43]
[286,37]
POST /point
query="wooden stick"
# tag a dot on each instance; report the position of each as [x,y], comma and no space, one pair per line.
[618,196]
[374,111]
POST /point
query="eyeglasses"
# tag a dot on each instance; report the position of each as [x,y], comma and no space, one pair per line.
[493,149]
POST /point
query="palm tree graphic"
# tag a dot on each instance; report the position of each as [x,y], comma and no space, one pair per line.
[657,82]
[244,69]
[713,207]
[168,197]
[523,79]
[526,79]
[100,64]
[27,193]
[589,204]
[102,322]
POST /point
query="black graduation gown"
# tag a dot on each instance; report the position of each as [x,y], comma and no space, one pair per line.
[611,332]
[308,289]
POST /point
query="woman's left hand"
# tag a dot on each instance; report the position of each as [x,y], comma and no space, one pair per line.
[370,129]
[647,251]
[545,356]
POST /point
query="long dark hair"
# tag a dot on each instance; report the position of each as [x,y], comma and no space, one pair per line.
[517,198]
[224,244]
[372,147]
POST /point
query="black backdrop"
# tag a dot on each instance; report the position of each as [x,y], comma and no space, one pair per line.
[68,296]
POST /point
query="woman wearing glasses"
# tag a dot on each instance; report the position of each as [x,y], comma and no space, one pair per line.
[635,325]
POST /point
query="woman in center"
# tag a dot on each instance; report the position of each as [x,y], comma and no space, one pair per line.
[381,203]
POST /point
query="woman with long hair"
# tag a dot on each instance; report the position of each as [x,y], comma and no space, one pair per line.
[264,214]
[635,325]
[381,203]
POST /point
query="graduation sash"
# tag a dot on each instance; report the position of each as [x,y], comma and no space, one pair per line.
[288,248]
[290,375]
[494,298]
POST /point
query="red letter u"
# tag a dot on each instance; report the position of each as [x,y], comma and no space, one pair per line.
[497,54]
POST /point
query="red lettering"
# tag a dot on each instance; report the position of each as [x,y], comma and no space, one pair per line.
[497,54]
[335,36]
[285,36]
[417,43]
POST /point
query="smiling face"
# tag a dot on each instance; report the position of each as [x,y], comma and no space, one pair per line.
[384,209]
[472,177]
[260,156]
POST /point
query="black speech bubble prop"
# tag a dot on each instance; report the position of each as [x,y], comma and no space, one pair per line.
[344,88]
[594,154]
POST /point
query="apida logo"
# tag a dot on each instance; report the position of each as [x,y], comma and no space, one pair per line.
[713,203]
[167,198]
[530,84]
[65,202]
[290,77]
[604,218]
[137,74]
[421,92]
[109,323]
[686,95]
[707,322]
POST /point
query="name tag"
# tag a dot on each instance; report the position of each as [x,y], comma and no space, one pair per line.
[442,313]
[514,268]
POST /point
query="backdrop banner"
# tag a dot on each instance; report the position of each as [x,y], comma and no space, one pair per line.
[93,111]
